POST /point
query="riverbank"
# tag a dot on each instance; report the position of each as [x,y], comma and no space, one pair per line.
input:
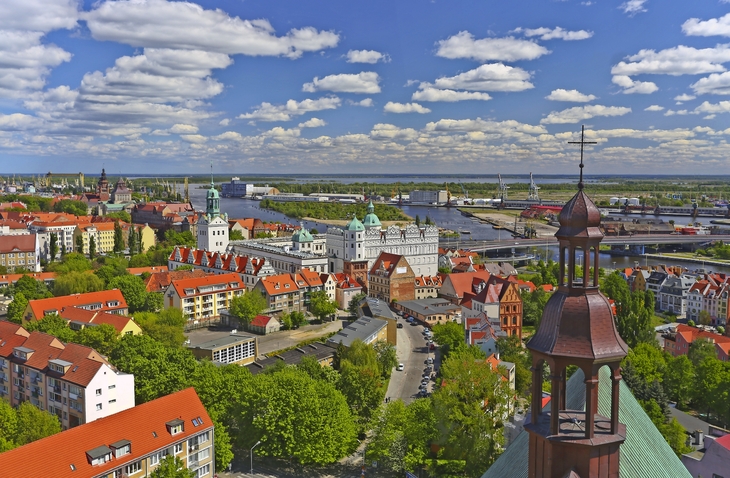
[343,223]
[514,224]
[688,258]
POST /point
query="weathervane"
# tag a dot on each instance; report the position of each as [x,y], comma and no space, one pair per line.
[582,143]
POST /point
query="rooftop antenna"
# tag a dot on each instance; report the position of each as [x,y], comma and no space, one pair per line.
[582,143]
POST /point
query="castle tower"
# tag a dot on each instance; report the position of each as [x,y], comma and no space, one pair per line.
[577,328]
[371,220]
[213,227]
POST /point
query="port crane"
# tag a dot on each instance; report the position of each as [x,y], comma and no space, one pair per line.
[502,191]
[533,194]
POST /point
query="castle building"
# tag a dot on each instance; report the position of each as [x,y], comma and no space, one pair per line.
[354,249]
[213,227]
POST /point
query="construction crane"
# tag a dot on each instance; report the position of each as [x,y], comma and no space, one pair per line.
[463,189]
[502,191]
[533,195]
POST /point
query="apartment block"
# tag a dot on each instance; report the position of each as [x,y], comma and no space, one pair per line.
[127,444]
[111,301]
[70,381]
[282,293]
[20,251]
[203,298]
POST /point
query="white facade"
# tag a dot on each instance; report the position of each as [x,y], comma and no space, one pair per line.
[284,259]
[107,393]
[213,234]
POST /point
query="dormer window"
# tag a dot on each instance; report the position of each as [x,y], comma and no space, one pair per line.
[99,455]
[23,353]
[175,426]
[121,448]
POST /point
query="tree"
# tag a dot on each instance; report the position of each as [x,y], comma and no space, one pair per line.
[166,327]
[53,246]
[701,349]
[533,305]
[320,304]
[297,318]
[132,243]
[123,216]
[418,220]
[52,324]
[101,338]
[248,305]
[79,244]
[449,336]
[235,235]
[77,208]
[295,417]
[387,357]
[73,261]
[32,289]
[118,237]
[705,318]
[77,283]
[34,424]
[354,304]
[648,361]
[133,290]
[92,247]
[172,467]
[17,307]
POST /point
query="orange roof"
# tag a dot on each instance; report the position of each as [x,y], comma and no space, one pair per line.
[97,317]
[278,284]
[144,426]
[463,281]
[386,261]
[229,279]
[160,281]
[13,278]
[138,271]
[108,300]
[311,278]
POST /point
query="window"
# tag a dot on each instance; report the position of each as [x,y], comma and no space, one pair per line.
[205,469]
[111,387]
[98,407]
[98,392]
[155,459]
[178,448]
[133,468]
[122,450]
[113,400]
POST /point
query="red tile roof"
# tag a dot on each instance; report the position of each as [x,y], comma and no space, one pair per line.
[105,298]
[386,261]
[463,282]
[83,316]
[17,243]
[143,426]
[278,284]
[138,271]
[160,281]
[194,283]
[724,441]
[13,278]
[260,321]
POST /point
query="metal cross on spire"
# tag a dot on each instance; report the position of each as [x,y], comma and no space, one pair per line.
[582,143]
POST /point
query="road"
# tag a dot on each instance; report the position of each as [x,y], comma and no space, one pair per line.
[412,353]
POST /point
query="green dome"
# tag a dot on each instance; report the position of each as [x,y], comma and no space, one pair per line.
[371,220]
[212,193]
[302,235]
[355,225]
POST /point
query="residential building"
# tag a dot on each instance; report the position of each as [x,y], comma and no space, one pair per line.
[249,268]
[47,278]
[111,301]
[282,293]
[677,341]
[236,348]
[130,443]
[391,278]
[20,252]
[712,460]
[455,286]
[161,215]
[248,227]
[637,280]
[427,286]
[160,281]
[654,283]
[78,318]
[370,308]
[673,294]
[430,311]
[362,242]
[102,232]
[345,289]
[71,381]
[203,298]
[710,294]
[329,285]
[483,332]
[497,294]
[9,227]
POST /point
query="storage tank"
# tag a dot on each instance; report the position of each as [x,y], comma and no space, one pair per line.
[613,201]
[622,201]
[634,202]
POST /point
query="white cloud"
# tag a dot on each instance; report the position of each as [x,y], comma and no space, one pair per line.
[383,131]
[25,62]
[285,112]
[707,107]
[684,97]
[630,86]
[38,15]
[715,84]
[632,7]
[282,133]
[366,103]
[672,112]
[579,113]
[713,26]
[193,138]
[187,26]
[654,108]
[433,94]
[366,56]
[557,32]
[229,136]
[507,128]
[313,123]
[18,122]
[224,122]
[391,107]
[490,77]
[675,61]
[569,95]
[463,45]
[366,82]
[184,129]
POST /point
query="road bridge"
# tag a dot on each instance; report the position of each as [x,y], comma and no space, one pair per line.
[643,240]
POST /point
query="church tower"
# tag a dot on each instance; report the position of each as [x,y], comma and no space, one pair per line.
[102,187]
[577,328]
[213,227]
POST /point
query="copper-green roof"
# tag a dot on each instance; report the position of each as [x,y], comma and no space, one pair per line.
[302,235]
[371,220]
[644,454]
[355,225]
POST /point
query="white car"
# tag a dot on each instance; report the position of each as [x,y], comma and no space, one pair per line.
[400,367]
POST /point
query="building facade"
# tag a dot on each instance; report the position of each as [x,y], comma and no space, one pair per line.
[111,301]
[20,252]
[391,279]
[202,299]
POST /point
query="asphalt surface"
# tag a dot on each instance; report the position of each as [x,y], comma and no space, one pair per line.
[412,350]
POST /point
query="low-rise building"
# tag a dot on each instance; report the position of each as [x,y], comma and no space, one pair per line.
[677,341]
[71,381]
[236,348]
[203,298]
[710,294]
[427,286]
[430,311]
[323,353]
[282,293]
[264,324]
[345,289]
[366,329]
[111,301]
[78,318]
[711,461]
[130,443]
[673,294]
[391,278]
[20,252]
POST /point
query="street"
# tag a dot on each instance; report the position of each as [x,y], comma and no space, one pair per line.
[412,352]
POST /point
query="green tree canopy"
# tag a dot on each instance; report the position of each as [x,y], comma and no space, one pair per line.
[355,302]
[70,206]
[73,261]
[248,305]
[172,467]
[77,283]
[133,290]
[235,235]
[17,307]
[320,304]
[387,357]
[449,336]
[34,424]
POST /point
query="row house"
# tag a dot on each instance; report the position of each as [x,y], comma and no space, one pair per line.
[673,294]
[71,381]
[678,341]
[248,227]
[282,293]
[308,281]
[497,297]
[101,232]
[204,298]
[10,227]
[427,287]
[47,278]
[710,293]
[483,332]
[329,285]
[455,286]
[78,318]
[250,269]
[345,289]
[131,443]
[111,301]
[160,281]
[391,278]
[62,225]
[20,252]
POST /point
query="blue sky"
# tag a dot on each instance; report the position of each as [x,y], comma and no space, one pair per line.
[292,86]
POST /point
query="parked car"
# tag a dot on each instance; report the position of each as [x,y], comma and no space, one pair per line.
[429,360]
[400,367]
[400,326]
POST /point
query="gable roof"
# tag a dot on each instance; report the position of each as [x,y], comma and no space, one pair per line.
[278,284]
[261,320]
[95,317]
[387,261]
[462,282]
[644,454]
[160,281]
[230,280]
[105,298]
[144,426]
[17,243]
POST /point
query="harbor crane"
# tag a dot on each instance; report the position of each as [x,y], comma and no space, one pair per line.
[463,189]
[533,194]
[502,191]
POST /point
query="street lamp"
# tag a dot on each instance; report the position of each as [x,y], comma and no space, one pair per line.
[251,454]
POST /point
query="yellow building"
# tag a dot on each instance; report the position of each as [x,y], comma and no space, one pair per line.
[203,298]
[102,232]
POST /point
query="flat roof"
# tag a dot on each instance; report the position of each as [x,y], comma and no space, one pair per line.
[363,329]
[429,306]
[223,341]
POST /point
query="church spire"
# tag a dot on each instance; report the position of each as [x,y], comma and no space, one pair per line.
[212,199]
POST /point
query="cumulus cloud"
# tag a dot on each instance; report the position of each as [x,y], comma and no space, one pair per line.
[507,128]
[313,123]
[366,82]
[490,77]
[569,95]
[434,94]
[557,32]
[282,133]
[184,129]
[684,97]
[675,61]
[632,7]
[715,84]
[714,26]
[193,138]
[713,108]
[630,86]
[391,107]
[654,108]
[224,122]
[25,62]
[269,112]
[382,131]
[366,103]
[18,122]
[187,26]
[229,136]
[579,113]
[463,45]
[366,56]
